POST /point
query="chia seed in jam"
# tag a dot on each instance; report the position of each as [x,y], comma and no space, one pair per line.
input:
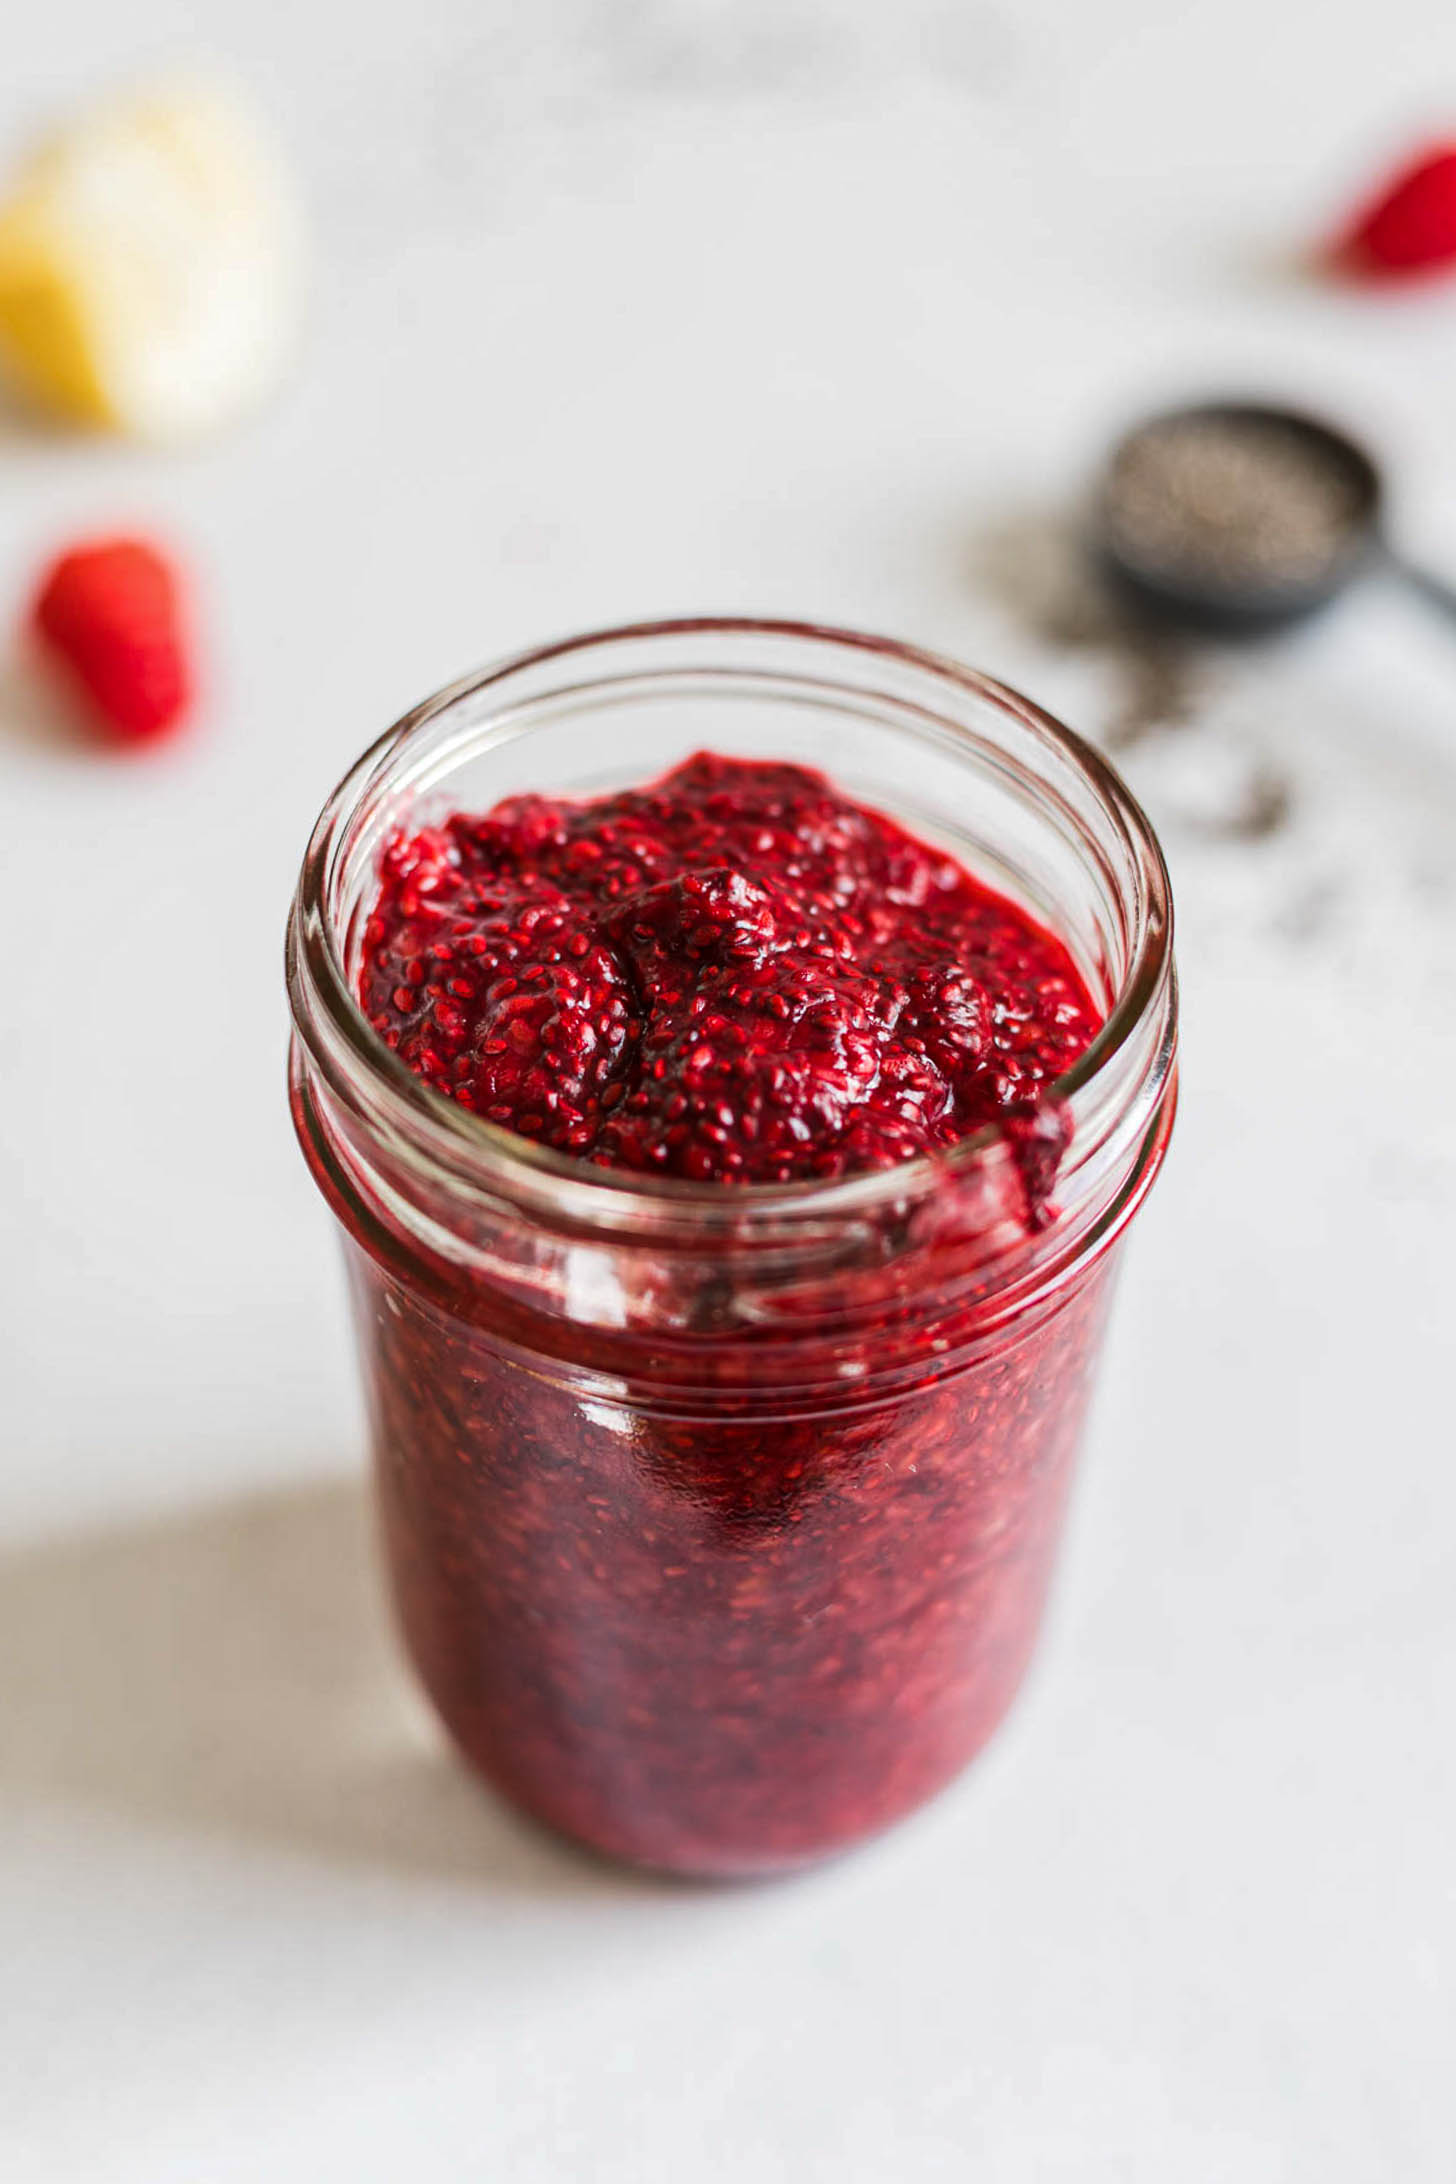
[714,1579]
[735,975]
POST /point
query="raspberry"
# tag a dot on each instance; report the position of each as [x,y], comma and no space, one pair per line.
[496,993]
[763,1043]
[111,611]
[1410,226]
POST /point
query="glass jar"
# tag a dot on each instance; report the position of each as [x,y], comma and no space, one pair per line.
[720,1520]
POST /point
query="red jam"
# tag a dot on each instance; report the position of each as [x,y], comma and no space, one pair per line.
[735,975]
[714,1586]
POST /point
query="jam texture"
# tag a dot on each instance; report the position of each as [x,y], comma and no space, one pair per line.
[709,1583]
[727,1643]
[734,975]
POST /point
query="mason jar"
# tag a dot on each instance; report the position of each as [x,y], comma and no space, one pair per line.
[719,1520]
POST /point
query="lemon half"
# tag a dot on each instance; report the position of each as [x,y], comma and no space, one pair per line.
[149,265]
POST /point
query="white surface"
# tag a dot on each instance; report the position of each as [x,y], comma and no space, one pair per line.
[778,306]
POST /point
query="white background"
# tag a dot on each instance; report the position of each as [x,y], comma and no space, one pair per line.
[625,310]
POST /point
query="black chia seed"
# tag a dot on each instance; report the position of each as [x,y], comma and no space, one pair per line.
[1230,502]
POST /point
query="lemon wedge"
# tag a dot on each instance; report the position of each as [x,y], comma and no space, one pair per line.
[149,265]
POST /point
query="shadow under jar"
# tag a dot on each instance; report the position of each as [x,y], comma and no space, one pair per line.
[720,1519]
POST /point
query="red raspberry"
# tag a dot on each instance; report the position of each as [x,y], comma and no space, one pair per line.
[111,610]
[1410,227]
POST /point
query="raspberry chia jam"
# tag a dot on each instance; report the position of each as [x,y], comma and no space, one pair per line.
[732,1175]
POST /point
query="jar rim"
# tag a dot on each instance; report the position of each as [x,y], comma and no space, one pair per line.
[361,1068]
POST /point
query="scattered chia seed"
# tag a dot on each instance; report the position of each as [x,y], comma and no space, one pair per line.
[1036,566]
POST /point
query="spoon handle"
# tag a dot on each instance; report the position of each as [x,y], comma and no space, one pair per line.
[1438,591]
